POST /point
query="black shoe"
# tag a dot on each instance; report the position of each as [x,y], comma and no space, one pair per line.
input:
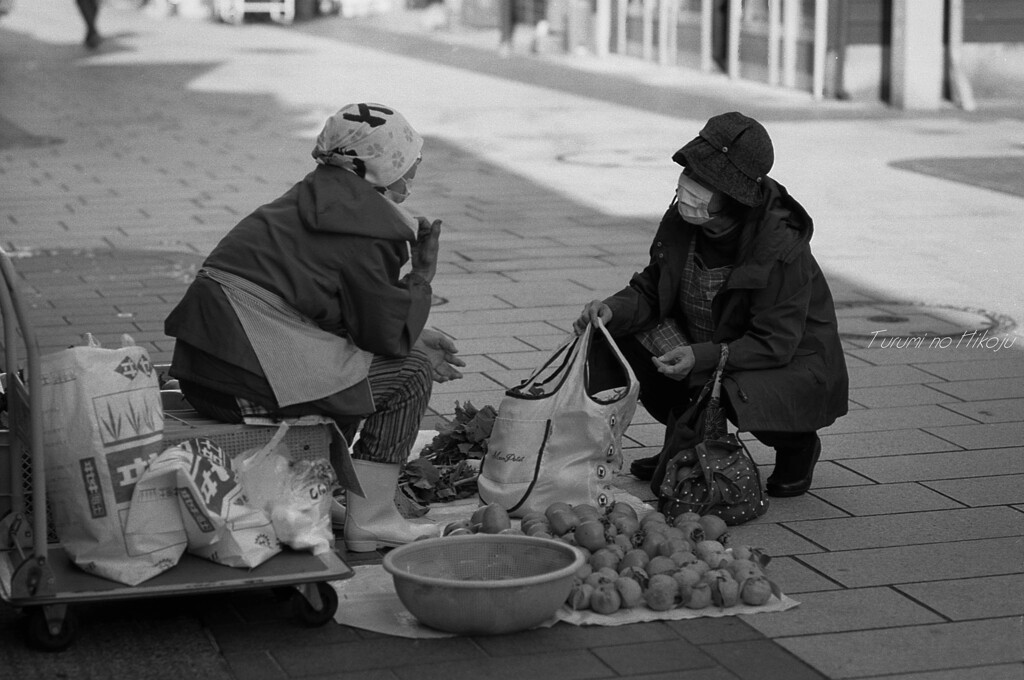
[781,472]
[795,479]
[643,468]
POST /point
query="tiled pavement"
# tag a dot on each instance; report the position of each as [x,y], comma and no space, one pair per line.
[118,171]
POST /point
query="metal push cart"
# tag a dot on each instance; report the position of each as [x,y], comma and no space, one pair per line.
[35,574]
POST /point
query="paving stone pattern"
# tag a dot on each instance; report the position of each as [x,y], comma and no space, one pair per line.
[119,171]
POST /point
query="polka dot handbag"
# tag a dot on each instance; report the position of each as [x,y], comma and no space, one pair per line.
[706,469]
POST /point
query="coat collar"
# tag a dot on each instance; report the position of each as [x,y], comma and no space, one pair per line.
[778,230]
[344,203]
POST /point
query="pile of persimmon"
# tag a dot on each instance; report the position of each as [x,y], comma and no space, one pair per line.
[641,561]
[486,519]
[635,561]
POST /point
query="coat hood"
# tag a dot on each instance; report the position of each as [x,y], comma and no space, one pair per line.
[778,230]
[337,201]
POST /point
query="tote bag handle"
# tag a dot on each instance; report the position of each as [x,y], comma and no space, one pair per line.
[539,385]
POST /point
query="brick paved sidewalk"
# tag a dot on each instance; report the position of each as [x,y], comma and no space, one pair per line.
[119,171]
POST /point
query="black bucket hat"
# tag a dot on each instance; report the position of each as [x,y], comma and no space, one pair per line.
[734,153]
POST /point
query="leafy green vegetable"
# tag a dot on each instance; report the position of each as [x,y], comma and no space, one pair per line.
[447,467]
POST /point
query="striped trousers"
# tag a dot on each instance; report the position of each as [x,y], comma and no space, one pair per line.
[401,391]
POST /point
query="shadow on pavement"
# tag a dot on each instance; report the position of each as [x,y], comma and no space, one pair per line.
[165,156]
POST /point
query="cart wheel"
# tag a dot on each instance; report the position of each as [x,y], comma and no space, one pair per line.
[283,593]
[41,637]
[306,612]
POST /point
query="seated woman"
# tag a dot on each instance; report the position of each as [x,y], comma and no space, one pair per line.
[731,263]
[302,309]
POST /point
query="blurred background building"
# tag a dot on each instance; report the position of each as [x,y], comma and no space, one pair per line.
[913,54]
[843,49]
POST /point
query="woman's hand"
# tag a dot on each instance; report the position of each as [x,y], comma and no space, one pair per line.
[595,309]
[441,351]
[675,363]
[424,251]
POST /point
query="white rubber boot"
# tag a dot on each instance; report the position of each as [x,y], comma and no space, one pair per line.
[338,514]
[375,522]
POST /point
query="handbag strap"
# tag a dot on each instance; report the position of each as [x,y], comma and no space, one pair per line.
[716,391]
[564,354]
[713,387]
[700,449]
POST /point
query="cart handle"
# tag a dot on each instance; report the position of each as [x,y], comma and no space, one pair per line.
[14,316]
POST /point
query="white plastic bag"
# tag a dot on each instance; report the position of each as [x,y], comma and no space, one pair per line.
[302,517]
[296,494]
[103,423]
[263,471]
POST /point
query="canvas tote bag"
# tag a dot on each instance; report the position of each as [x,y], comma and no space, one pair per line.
[558,434]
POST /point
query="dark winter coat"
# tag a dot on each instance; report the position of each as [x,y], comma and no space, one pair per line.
[332,248]
[786,371]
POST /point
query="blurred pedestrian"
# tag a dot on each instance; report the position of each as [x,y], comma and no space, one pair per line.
[511,13]
[731,264]
[506,26]
[302,309]
[90,10]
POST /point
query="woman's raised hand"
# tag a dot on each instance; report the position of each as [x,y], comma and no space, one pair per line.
[424,251]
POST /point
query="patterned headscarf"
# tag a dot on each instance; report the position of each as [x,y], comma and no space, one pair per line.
[371,140]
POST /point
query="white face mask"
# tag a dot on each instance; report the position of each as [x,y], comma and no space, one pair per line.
[692,200]
[398,196]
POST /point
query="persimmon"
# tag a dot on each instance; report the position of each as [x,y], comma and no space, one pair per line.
[585,512]
[624,524]
[756,591]
[661,592]
[579,596]
[636,557]
[494,519]
[604,558]
[605,599]
[563,521]
[556,507]
[590,535]
[700,596]
[623,508]
[630,593]
[714,527]
[661,565]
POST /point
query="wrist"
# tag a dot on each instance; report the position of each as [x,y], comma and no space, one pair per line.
[705,356]
[421,274]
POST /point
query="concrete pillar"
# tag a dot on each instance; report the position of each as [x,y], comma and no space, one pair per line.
[620,26]
[663,32]
[573,26]
[774,31]
[820,48]
[732,58]
[647,36]
[917,53]
[791,20]
[707,13]
[603,28]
